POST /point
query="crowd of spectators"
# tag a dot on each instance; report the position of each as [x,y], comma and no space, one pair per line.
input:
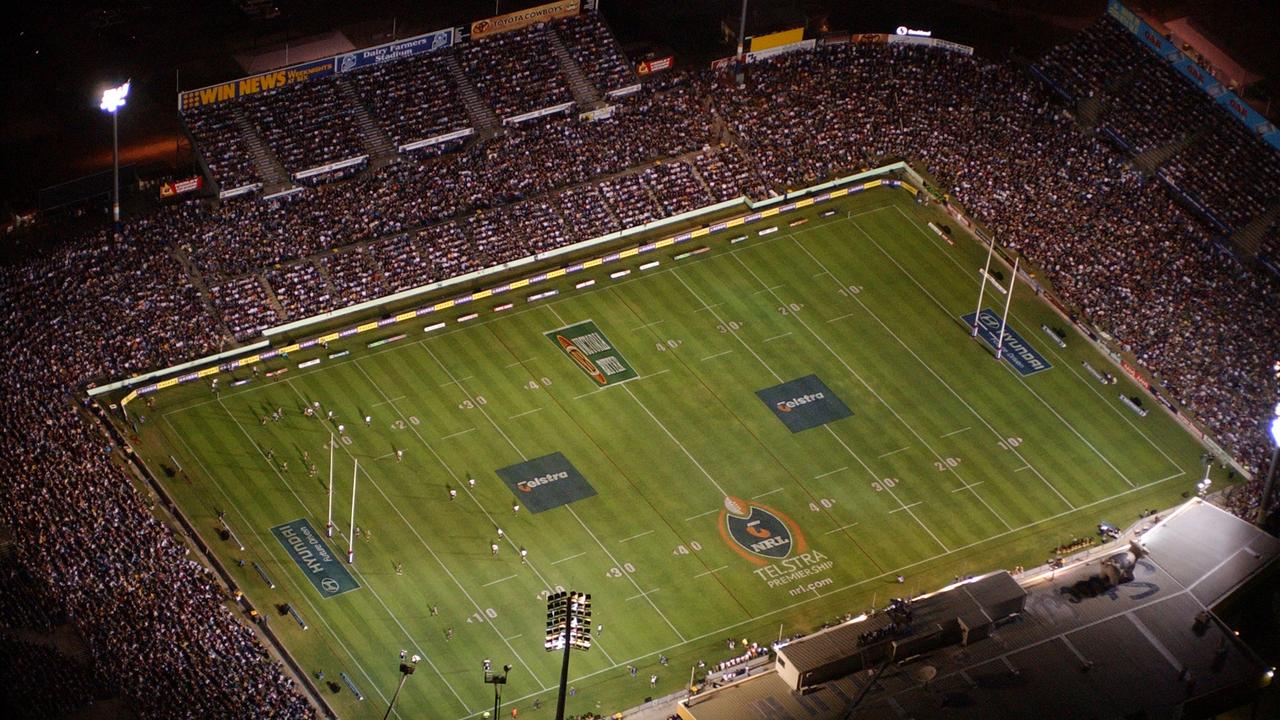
[592,45]
[515,72]
[306,124]
[1104,52]
[1235,175]
[1116,246]
[413,98]
[213,128]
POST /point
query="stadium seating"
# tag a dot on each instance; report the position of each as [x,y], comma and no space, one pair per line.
[414,98]
[515,72]
[306,124]
[214,130]
[594,48]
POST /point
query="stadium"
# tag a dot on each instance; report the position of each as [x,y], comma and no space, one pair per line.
[526,364]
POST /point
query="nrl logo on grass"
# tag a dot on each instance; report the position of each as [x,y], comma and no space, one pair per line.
[758,532]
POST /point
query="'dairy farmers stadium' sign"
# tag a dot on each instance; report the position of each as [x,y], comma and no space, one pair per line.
[524,18]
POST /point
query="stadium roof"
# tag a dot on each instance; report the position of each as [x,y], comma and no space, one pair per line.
[1143,649]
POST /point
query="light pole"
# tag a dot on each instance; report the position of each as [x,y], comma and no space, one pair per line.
[497,681]
[406,669]
[112,100]
[1271,474]
[568,627]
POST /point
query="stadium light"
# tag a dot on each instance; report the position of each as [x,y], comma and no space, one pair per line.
[112,100]
[406,669]
[1271,474]
[568,628]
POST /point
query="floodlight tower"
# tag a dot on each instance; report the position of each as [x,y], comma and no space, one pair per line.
[568,627]
[406,669]
[112,100]
[1271,474]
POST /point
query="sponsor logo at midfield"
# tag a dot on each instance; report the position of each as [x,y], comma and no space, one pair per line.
[583,361]
[529,485]
[793,403]
[546,482]
[758,532]
[586,345]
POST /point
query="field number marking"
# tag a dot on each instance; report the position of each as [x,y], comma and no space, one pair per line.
[884,484]
[729,326]
[479,617]
[851,290]
[693,546]
[469,405]
[670,343]
[825,503]
[401,425]
[538,383]
[946,464]
[544,594]
[1010,443]
[790,308]
[619,571]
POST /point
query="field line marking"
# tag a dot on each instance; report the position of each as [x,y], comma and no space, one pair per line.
[648,324]
[636,537]
[623,382]
[1024,467]
[495,582]
[966,487]
[351,568]
[768,289]
[513,637]
[720,320]
[956,432]
[719,354]
[413,529]
[842,527]
[831,472]
[703,514]
[645,594]
[567,559]
[460,432]
[709,572]
[679,444]
[1014,373]
[384,456]
[850,586]
[776,337]
[518,363]
[767,494]
[895,452]
[906,507]
[1055,353]
[454,382]
[936,376]
[704,307]
[315,611]
[849,368]
[526,412]
[572,512]
[838,317]
[497,318]
[389,401]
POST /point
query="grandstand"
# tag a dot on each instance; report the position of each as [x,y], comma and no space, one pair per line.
[444,178]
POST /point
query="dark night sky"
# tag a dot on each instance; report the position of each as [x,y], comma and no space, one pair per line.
[59,55]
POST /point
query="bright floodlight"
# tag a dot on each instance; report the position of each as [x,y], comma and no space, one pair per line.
[1275,430]
[113,98]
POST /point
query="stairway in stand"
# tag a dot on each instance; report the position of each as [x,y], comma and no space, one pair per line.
[274,177]
[483,120]
[584,93]
[376,141]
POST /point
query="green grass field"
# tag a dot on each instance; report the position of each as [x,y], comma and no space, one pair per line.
[951,464]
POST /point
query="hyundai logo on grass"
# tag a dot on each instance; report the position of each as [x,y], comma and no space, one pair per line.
[804,403]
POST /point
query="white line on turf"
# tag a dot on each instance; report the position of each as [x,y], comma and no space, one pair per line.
[460,432]
[526,412]
[767,494]
[636,537]
[412,528]
[352,568]
[842,527]
[831,472]
[768,289]
[911,428]
[966,487]
[1024,467]
[385,455]
[708,307]
[1009,369]
[710,572]
[648,324]
[905,507]
[719,354]
[956,432]
[315,611]
[614,385]
[389,401]
[645,594]
[454,382]
[1064,360]
[518,363]
[495,582]
[679,444]
[895,452]
[776,337]
[513,637]
[567,559]
[702,514]
[838,317]
[572,512]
